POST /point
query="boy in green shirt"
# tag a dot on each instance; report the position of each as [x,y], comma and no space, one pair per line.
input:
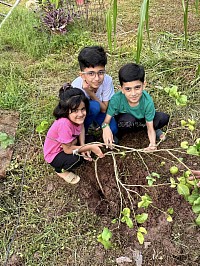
[133,108]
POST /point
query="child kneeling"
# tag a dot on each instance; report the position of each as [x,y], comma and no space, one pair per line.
[65,139]
[133,108]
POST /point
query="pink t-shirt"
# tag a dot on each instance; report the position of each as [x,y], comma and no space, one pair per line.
[62,131]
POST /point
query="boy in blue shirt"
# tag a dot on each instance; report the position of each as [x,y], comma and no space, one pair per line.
[96,84]
[133,108]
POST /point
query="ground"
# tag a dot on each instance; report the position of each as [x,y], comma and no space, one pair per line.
[168,243]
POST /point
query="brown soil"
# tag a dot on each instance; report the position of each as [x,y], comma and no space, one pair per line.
[8,124]
[168,243]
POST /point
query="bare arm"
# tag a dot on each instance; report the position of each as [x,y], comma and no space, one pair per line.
[152,137]
[107,133]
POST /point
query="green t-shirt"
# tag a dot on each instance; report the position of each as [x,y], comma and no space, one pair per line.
[145,109]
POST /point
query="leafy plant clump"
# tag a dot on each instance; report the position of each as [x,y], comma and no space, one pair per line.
[5,140]
[55,18]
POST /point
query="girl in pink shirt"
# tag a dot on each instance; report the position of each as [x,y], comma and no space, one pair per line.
[65,139]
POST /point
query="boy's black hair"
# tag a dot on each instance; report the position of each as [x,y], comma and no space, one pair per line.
[131,72]
[92,56]
[70,99]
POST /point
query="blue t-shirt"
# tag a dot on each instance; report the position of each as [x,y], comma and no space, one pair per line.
[145,109]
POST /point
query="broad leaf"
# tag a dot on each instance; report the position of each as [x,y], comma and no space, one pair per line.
[141,218]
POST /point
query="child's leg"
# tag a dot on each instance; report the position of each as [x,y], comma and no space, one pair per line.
[67,162]
[160,120]
[94,110]
[128,123]
[113,124]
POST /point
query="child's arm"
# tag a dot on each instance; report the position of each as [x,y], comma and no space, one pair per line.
[82,136]
[70,148]
[152,137]
[107,133]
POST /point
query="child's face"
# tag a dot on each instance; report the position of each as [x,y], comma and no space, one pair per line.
[93,76]
[133,91]
[78,115]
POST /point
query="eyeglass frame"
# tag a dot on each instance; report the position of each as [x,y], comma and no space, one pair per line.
[93,73]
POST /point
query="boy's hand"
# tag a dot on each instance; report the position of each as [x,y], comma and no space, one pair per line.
[151,147]
[107,137]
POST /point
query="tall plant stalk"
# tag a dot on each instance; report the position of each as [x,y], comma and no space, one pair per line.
[111,24]
[185,5]
[144,17]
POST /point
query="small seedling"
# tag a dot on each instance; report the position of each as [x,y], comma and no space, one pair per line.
[104,238]
[126,217]
[42,127]
[140,234]
[192,150]
[5,140]
[181,100]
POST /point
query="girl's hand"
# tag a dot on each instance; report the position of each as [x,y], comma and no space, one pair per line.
[86,155]
[95,148]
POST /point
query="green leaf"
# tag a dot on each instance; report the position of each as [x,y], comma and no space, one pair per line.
[155,174]
[3,136]
[173,183]
[194,196]
[196,208]
[106,234]
[184,144]
[140,238]
[129,222]
[146,201]
[169,218]
[142,230]
[114,221]
[197,220]
[141,218]
[126,212]
[170,210]
[192,150]
[183,190]
[183,123]
[181,100]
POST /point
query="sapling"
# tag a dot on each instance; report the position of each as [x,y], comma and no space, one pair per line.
[5,140]
[104,238]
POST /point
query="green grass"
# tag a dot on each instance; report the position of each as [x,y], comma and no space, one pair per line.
[55,227]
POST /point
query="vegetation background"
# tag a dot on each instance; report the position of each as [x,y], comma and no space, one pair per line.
[43,220]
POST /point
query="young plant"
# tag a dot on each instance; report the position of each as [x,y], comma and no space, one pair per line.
[54,18]
[5,140]
[126,217]
[151,178]
[104,238]
[190,124]
[181,100]
[194,149]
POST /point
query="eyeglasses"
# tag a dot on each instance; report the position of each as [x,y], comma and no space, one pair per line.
[92,74]
[77,110]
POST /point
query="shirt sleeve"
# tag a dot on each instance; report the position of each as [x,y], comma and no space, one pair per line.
[150,111]
[113,106]
[65,134]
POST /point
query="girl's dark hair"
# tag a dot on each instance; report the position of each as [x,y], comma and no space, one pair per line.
[70,99]
[92,56]
[131,72]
